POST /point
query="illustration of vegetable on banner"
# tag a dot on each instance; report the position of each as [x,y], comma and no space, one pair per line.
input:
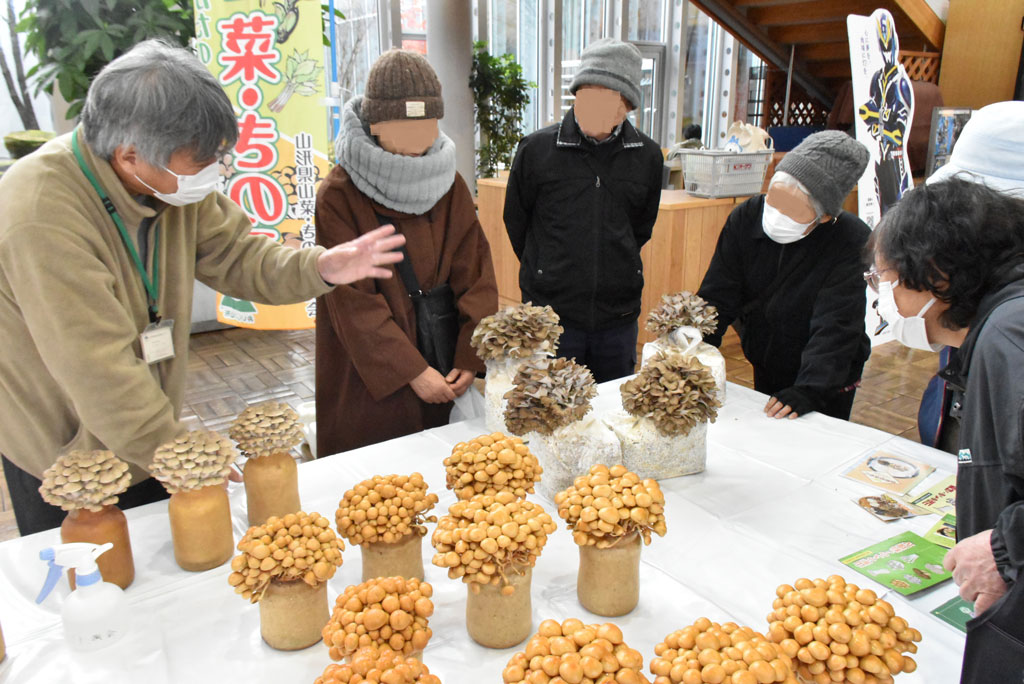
[268,58]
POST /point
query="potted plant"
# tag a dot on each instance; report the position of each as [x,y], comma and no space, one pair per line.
[500,96]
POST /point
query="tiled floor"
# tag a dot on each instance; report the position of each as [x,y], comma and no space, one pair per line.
[234,368]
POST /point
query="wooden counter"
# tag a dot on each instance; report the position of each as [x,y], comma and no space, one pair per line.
[675,259]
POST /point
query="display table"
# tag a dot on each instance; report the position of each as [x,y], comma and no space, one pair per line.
[770,508]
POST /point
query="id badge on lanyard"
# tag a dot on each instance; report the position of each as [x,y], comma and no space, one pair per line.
[157,340]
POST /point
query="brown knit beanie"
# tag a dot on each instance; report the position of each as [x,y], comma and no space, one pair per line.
[401,85]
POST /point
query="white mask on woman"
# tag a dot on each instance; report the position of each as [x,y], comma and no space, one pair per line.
[780,227]
[909,331]
[191,188]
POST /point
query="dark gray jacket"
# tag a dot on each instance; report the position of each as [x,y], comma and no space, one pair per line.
[987,376]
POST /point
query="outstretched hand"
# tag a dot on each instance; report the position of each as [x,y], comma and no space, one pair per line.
[364,257]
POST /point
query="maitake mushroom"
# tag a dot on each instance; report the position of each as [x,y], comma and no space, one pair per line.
[547,394]
[608,504]
[490,464]
[674,391]
[385,509]
[682,309]
[483,539]
[830,627]
[387,613]
[575,652]
[85,480]
[266,429]
[709,652]
[517,332]
[192,461]
[299,546]
[370,665]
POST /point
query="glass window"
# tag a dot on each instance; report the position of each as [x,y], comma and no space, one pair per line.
[414,16]
[645,116]
[415,44]
[357,44]
[694,80]
[646,20]
[749,87]
[513,31]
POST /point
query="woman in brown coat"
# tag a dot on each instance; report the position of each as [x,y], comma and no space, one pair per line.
[372,383]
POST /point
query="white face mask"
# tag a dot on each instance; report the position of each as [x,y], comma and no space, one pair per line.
[191,188]
[780,227]
[909,331]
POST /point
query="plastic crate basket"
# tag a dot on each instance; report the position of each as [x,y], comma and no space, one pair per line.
[718,173]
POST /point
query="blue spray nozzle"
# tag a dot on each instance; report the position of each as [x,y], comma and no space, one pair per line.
[80,556]
[52,577]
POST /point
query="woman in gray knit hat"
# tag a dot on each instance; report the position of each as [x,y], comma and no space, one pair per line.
[787,272]
[372,381]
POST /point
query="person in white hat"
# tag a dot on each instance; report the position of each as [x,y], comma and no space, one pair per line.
[990,149]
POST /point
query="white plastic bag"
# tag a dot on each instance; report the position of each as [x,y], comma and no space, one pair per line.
[469,406]
[649,453]
[570,451]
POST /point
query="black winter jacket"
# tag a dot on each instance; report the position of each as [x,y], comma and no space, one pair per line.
[806,332]
[577,215]
[987,376]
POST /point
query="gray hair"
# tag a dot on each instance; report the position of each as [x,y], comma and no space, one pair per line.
[785,179]
[160,98]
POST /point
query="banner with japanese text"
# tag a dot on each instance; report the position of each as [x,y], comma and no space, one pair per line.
[268,57]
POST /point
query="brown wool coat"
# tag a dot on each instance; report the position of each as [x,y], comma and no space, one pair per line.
[366,351]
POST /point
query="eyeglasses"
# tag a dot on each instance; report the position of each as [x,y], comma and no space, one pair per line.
[873,277]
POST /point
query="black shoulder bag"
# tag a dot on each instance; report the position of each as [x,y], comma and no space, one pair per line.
[437,318]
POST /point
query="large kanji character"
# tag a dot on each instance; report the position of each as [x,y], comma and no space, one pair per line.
[248,53]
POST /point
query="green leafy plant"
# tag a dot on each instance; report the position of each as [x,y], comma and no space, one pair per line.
[500,94]
[74,39]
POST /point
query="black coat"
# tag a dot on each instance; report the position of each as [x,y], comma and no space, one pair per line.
[577,215]
[807,331]
[988,399]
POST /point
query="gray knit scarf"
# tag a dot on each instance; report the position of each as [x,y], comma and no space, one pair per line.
[411,185]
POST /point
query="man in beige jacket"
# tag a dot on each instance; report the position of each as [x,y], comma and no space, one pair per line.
[83,280]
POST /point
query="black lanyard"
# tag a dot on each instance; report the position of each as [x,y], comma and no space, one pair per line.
[152,285]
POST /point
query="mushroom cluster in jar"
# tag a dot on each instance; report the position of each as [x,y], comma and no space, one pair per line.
[682,310]
[609,504]
[197,459]
[370,665]
[490,464]
[265,429]
[575,653]
[386,612]
[481,540]
[385,508]
[838,632]
[548,394]
[299,546]
[86,480]
[709,653]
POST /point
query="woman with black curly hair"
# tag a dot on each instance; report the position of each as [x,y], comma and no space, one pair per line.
[949,270]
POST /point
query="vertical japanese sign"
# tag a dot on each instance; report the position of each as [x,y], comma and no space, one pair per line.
[268,58]
[883,110]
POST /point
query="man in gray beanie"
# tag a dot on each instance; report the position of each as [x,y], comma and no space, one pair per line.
[582,200]
[788,272]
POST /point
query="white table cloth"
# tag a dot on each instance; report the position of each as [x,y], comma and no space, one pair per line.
[771,507]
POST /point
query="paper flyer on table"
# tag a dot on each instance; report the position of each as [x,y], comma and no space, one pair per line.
[892,473]
[887,508]
[943,532]
[906,563]
[955,612]
[940,498]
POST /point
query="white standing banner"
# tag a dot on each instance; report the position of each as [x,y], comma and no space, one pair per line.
[884,108]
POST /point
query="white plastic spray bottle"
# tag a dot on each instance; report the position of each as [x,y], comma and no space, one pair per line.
[95,614]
